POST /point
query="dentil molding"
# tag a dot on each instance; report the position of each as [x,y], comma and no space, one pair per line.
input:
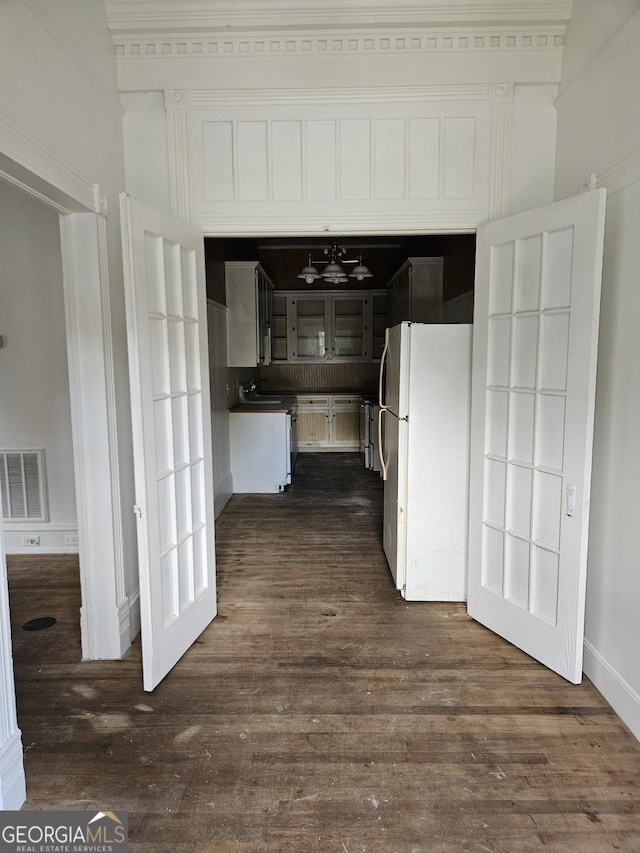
[151,46]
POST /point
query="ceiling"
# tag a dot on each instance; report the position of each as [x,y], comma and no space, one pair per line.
[282,258]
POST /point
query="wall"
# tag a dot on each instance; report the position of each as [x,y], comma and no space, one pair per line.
[599,133]
[61,133]
[218,376]
[34,383]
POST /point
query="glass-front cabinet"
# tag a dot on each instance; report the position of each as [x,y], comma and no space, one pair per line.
[322,326]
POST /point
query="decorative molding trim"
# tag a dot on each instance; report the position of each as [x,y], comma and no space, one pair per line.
[212,98]
[13,792]
[344,224]
[92,419]
[501,108]
[20,148]
[178,148]
[52,538]
[620,174]
[216,45]
[191,14]
[624,700]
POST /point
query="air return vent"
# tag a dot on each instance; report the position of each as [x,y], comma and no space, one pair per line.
[22,485]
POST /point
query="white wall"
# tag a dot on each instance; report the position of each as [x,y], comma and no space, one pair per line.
[34,381]
[61,133]
[222,479]
[599,132]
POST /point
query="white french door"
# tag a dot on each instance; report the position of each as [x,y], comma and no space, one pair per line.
[171,413]
[538,277]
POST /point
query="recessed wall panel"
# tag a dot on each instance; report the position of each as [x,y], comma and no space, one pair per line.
[389,158]
[321,160]
[424,158]
[217,141]
[253,182]
[355,159]
[286,160]
[459,149]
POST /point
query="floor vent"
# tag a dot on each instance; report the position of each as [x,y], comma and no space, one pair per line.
[22,485]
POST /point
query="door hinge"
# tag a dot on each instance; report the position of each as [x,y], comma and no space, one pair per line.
[137,510]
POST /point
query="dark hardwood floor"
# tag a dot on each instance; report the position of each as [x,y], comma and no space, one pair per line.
[319,712]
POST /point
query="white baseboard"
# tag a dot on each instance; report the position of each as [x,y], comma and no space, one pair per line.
[53,538]
[13,790]
[619,694]
[222,494]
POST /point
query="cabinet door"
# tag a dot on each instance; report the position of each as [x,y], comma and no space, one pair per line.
[379,322]
[309,325]
[265,311]
[350,327]
[345,422]
[279,340]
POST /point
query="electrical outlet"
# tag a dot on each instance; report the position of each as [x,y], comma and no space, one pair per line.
[70,539]
[30,540]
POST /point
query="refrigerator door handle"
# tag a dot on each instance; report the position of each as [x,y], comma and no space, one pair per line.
[383,465]
[383,358]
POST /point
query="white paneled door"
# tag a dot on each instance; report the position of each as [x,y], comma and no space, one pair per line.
[171,413]
[538,278]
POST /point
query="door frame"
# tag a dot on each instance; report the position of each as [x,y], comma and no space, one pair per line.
[109,618]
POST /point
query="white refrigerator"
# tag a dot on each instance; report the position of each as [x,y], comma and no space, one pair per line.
[425,397]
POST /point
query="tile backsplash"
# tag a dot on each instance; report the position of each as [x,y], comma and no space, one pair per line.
[357,376]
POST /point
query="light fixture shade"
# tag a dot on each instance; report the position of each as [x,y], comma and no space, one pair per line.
[333,270]
[309,273]
[360,272]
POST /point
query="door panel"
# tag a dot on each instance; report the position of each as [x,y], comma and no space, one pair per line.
[538,280]
[168,356]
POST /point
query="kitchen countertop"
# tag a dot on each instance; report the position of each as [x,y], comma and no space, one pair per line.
[285,405]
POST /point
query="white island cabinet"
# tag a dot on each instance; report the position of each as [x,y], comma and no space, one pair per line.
[261,457]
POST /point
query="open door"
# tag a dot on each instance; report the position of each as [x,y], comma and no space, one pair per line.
[537,301]
[171,413]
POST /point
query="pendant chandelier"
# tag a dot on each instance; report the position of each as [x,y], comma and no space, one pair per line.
[333,272]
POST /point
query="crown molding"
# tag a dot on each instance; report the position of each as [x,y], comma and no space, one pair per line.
[195,15]
[43,174]
[266,224]
[371,42]
[185,99]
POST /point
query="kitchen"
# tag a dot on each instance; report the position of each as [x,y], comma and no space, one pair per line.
[303,354]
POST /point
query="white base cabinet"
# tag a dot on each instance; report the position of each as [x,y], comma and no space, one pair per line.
[329,422]
[260,451]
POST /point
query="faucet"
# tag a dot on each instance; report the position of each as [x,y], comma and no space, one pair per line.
[248,388]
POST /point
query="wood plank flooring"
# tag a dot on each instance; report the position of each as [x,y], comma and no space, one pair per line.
[319,712]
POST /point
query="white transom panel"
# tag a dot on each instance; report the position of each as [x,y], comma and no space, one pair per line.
[336,161]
